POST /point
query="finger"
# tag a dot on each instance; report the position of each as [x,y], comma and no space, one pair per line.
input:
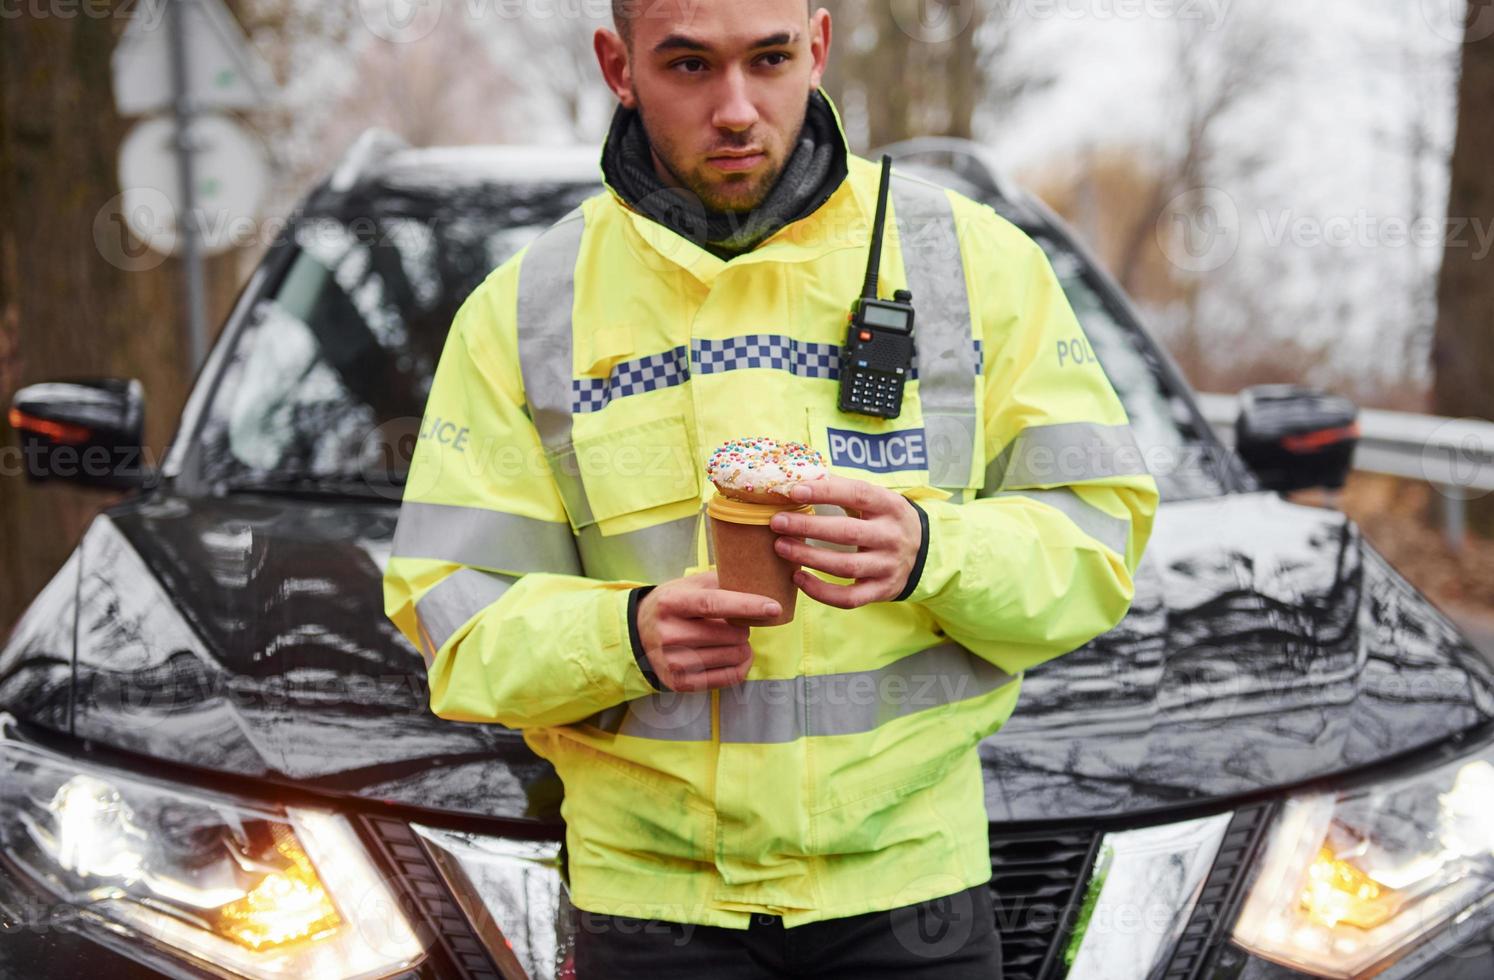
[855,495]
[852,565]
[837,530]
[701,633]
[710,679]
[723,604]
[839,596]
[684,661]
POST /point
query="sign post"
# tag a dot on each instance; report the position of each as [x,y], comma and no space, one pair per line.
[200,61]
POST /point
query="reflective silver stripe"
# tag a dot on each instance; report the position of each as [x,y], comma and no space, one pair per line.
[947,368]
[567,472]
[1070,452]
[772,711]
[547,297]
[670,716]
[776,711]
[1113,532]
[485,539]
[460,596]
[653,554]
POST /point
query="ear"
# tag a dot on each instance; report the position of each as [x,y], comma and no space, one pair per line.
[612,58]
[819,45]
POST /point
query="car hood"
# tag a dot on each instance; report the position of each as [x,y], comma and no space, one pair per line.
[1267,644]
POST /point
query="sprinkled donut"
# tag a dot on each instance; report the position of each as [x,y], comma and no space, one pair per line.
[762,470]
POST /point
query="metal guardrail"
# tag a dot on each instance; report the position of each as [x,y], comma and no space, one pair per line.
[1456,456]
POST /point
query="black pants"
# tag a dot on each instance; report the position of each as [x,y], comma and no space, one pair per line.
[949,938]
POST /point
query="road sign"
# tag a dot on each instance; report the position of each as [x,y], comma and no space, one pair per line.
[229,175]
[223,72]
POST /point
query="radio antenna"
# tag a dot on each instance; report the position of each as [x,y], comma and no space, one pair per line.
[874,266]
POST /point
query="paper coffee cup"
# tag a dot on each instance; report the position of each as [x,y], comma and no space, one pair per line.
[746,560]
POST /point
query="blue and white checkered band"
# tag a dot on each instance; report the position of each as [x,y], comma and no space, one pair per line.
[802,358]
[631,378]
[762,350]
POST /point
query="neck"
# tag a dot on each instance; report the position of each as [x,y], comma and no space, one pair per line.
[815,168]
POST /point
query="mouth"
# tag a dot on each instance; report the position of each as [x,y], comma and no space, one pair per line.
[737,160]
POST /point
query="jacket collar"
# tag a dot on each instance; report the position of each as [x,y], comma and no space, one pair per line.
[842,221]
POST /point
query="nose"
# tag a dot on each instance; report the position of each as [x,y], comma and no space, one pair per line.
[735,111]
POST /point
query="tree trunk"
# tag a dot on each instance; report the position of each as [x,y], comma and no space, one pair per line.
[67,308]
[1463,350]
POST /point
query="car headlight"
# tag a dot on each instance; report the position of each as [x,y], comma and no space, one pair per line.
[211,878]
[1353,881]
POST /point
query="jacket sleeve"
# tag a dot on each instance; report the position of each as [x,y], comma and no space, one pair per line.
[484,577]
[1041,562]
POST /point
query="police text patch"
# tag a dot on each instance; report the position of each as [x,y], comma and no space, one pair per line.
[886,452]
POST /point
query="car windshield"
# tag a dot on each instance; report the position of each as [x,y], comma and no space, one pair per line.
[328,378]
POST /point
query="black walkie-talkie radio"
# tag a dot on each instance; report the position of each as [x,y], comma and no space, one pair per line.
[877,359]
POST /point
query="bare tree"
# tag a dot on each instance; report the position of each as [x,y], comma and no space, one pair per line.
[75,298]
[906,68]
[1215,71]
[1463,352]
[561,68]
[441,89]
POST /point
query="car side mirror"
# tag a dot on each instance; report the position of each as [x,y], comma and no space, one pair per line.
[90,432]
[1295,438]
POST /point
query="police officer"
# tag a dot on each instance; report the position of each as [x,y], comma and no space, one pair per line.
[804,799]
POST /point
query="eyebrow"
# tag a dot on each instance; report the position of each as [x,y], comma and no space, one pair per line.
[681,42]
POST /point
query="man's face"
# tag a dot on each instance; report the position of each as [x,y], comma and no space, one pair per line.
[722,87]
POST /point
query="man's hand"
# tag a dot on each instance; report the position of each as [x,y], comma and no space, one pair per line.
[682,625]
[885,530]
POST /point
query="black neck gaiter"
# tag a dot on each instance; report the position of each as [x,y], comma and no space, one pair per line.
[814,170]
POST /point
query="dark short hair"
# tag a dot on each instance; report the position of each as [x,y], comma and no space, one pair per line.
[625,11]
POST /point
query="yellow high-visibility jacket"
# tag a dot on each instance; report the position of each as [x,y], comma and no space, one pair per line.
[561,464]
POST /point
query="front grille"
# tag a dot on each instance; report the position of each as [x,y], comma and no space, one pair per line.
[424,898]
[1037,881]
[1223,891]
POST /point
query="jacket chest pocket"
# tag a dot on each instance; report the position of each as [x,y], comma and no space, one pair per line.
[616,473]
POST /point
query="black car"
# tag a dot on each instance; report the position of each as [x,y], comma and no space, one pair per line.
[217,757]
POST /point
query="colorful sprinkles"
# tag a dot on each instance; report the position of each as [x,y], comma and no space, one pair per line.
[762,464]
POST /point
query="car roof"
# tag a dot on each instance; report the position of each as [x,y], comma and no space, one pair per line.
[379,161]
[519,164]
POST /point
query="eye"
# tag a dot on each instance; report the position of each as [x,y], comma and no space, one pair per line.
[689,66]
[782,56]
